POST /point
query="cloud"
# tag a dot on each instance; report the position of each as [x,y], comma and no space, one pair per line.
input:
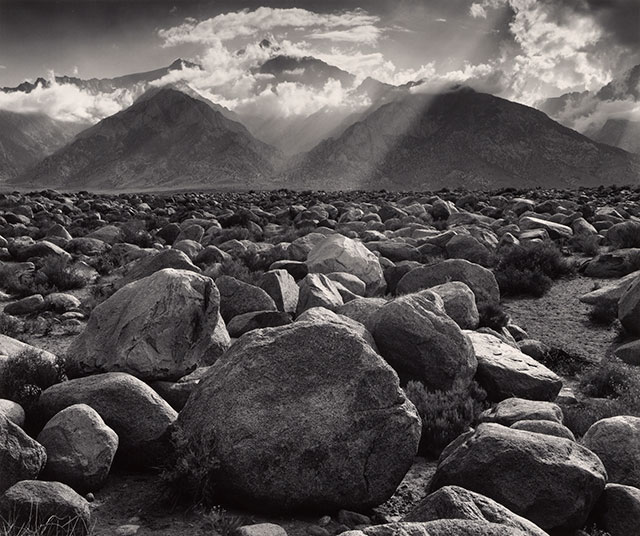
[67,102]
[247,23]
[3,66]
[477,11]
[367,34]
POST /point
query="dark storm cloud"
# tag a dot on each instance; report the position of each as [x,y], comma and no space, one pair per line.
[621,18]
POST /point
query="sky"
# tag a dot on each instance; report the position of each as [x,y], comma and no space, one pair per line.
[524,50]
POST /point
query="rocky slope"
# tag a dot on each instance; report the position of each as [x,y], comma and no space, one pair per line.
[166,139]
[26,138]
[460,138]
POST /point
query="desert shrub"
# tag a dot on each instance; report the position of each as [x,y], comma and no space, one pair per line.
[587,244]
[580,416]
[562,362]
[189,475]
[530,269]
[235,233]
[235,268]
[28,374]
[105,263]
[21,288]
[604,313]
[10,326]
[137,237]
[224,523]
[61,274]
[445,414]
[612,378]
[492,316]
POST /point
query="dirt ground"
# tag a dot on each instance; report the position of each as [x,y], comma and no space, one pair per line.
[134,502]
[561,320]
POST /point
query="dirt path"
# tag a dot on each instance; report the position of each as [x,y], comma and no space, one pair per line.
[560,319]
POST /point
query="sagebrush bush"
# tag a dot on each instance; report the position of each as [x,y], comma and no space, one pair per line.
[492,316]
[604,313]
[189,475]
[562,362]
[138,237]
[105,263]
[10,326]
[28,374]
[587,244]
[61,275]
[445,414]
[237,269]
[530,269]
[613,378]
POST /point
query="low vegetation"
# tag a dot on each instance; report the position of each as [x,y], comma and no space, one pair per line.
[186,478]
[28,374]
[530,269]
[445,414]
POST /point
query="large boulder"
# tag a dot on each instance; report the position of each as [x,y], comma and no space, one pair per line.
[618,510]
[504,371]
[479,279]
[146,266]
[283,289]
[609,295]
[337,253]
[45,506]
[158,328]
[512,410]
[551,481]
[21,457]
[613,263]
[134,411]
[459,303]
[454,502]
[629,308]
[439,527]
[317,290]
[616,441]
[305,416]
[555,230]
[80,448]
[419,340]
[238,297]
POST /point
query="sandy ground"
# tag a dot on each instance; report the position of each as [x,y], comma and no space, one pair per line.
[561,320]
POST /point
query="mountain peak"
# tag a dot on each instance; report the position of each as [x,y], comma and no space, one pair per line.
[180,64]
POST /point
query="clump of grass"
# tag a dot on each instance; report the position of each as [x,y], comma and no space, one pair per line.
[33,526]
[224,523]
[530,269]
[26,375]
[445,414]
[189,476]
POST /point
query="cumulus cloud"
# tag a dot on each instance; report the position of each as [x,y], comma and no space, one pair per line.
[227,26]
[477,11]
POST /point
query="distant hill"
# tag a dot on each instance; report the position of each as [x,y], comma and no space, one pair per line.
[459,138]
[165,140]
[26,138]
[620,133]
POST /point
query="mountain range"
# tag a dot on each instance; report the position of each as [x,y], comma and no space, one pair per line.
[401,138]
